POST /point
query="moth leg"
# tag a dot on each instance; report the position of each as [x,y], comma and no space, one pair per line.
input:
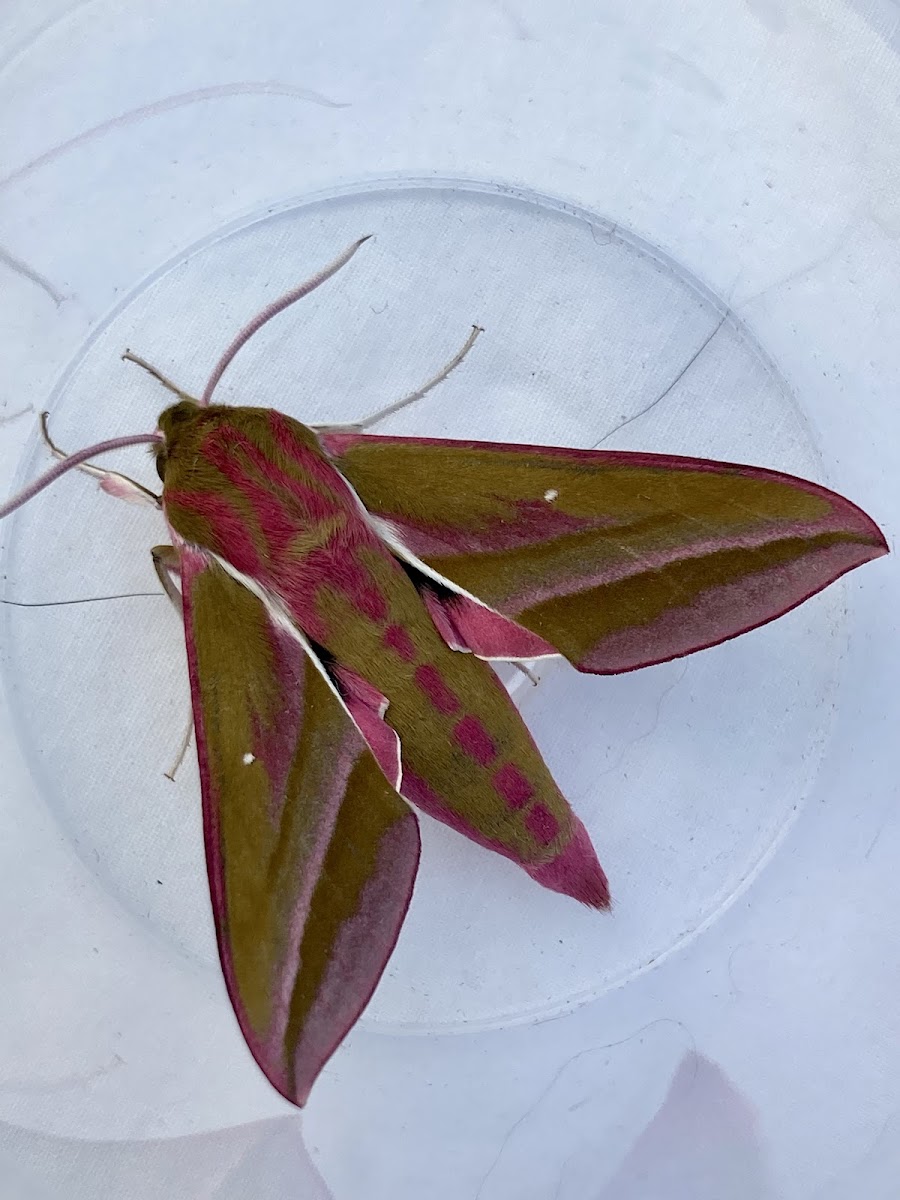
[367,422]
[525,671]
[158,375]
[113,482]
[166,564]
[182,749]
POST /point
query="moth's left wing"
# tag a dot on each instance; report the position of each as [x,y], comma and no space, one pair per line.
[616,560]
[311,854]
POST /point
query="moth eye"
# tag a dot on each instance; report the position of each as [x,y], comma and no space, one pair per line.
[184,410]
[177,415]
[162,459]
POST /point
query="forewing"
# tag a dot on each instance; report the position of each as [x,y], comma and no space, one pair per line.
[617,560]
[311,854]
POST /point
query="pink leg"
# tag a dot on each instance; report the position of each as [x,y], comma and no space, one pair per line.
[167,566]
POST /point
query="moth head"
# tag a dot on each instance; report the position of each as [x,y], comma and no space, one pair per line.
[172,423]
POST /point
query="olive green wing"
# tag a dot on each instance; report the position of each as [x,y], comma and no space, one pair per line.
[615,560]
[311,854]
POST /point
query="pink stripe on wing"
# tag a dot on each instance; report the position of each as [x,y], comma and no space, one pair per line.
[541,824]
[513,786]
[228,526]
[258,475]
[442,698]
[397,639]
[273,1043]
[275,742]
[471,735]
[723,612]
[359,953]
[489,634]
[367,707]
[420,793]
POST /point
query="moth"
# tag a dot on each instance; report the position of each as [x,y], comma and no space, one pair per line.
[343,596]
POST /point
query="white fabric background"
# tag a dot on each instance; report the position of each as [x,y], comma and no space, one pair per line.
[754,143]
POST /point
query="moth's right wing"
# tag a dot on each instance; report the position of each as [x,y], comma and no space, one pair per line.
[311,854]
[615,560]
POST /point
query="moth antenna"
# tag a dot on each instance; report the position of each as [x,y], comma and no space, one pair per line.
[157,375]
[412,398]
[422,391]
[272,310]
[70,463]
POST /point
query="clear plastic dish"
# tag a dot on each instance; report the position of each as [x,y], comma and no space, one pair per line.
[694,258]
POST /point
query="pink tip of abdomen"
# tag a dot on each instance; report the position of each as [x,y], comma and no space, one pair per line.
[576,872]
